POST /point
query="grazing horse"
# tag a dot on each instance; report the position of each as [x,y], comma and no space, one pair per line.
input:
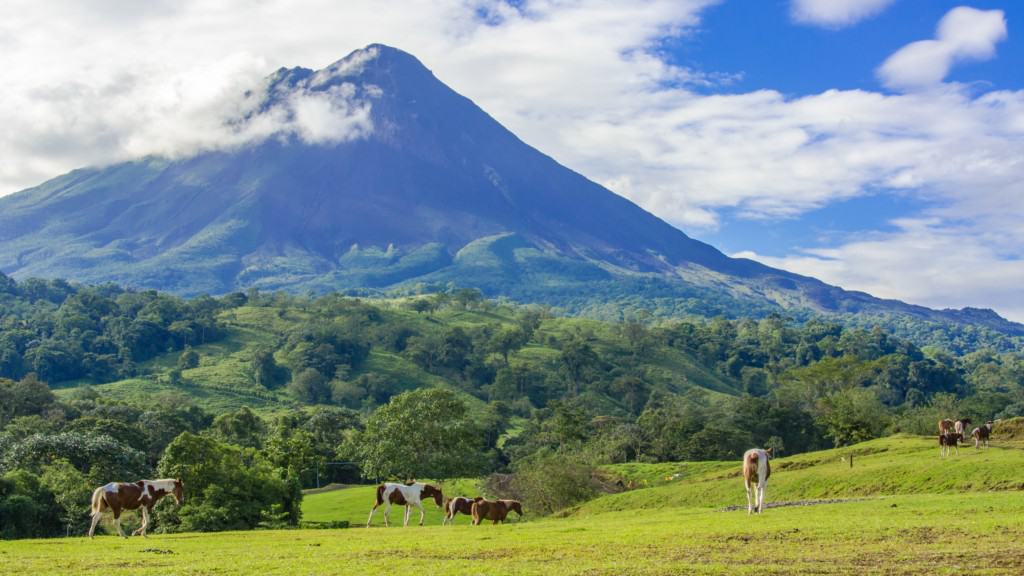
[949,440]
[494,510]
[755,463]
[407,495]
[144,494]
[455,506]
[514,506]
[981,434]
[960,426]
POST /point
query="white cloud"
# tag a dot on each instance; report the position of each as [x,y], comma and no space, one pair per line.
[582,81]
[836,13]
[964,33]
[928,261]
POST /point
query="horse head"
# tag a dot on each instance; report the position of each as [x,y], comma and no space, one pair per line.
[516,505]
[179,491]
[434,492]
[770,452]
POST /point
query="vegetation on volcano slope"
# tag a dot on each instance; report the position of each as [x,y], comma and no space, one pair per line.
[542,396]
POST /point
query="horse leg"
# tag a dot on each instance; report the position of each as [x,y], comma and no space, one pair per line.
[761,488]
[387,511]
[142,528]
[95,520]
[145,521]
[405,521]
[117,522]
[750,505]
[370,519]
[420,506]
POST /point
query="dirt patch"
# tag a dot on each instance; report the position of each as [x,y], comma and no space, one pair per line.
[797,503]
[328,488]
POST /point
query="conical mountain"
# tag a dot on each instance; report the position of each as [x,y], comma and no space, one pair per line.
[374,175]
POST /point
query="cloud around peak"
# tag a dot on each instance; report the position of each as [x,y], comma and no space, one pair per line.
[963,34]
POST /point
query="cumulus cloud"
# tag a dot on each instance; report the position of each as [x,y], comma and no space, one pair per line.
[835,13]
[963,34]
[582,81]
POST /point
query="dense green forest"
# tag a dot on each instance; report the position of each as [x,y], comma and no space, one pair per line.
[264,394]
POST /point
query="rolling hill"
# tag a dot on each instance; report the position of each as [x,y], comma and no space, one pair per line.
[418,187]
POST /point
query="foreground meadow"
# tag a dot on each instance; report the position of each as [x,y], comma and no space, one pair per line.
[900,510]
[921,534]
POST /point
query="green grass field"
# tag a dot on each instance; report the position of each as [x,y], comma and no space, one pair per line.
[353,504]
[914,514]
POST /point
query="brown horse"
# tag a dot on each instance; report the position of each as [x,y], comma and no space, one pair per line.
[949,440]
[494,510]
[455,506]
[945,425]
[144,494]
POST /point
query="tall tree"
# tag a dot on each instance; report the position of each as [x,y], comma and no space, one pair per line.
[425,433]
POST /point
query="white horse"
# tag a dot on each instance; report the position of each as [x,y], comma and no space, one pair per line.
[755,463]
[407,495]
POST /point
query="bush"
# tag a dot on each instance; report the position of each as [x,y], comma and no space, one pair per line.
[27,507]
[548,481]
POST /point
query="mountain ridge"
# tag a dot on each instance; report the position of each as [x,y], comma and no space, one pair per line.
[385,192]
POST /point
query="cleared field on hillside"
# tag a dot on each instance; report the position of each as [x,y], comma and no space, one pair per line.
[223,381]
[894,465]
[922,534]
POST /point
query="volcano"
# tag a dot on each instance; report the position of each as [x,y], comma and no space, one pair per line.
[401,184]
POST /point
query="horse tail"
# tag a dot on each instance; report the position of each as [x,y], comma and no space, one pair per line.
[97,501]
[380,494]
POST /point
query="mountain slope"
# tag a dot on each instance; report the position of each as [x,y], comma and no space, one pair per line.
[425,188]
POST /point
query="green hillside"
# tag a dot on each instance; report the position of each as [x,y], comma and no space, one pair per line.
[223,379]
[886,466]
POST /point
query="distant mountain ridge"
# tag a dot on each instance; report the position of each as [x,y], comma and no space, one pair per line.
[428,189]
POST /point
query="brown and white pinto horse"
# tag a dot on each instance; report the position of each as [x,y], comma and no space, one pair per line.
[945,425]
[949,440]
[982,433]
[494,510]
[960,426]
[120,496]
[407,495]
[455,506]
[755,463]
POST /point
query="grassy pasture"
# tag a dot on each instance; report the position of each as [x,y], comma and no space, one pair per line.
[919,534]
[887,466]
[353,504]
[919,515]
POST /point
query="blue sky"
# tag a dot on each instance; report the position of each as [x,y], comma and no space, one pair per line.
[760,46]
[875,144]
